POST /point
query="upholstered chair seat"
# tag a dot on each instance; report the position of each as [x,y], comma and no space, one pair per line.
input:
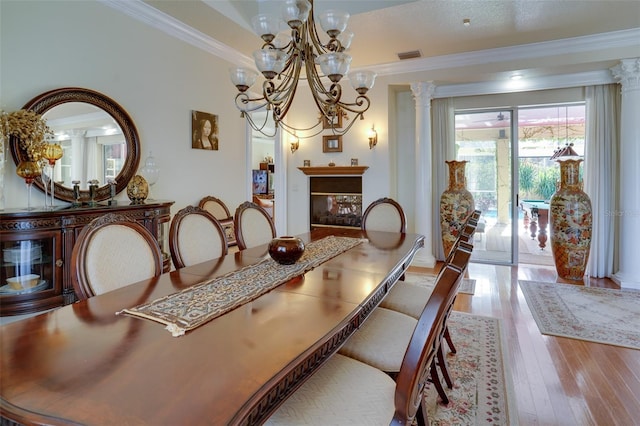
[382,340]
[350,392]
[386,328]
[342,392]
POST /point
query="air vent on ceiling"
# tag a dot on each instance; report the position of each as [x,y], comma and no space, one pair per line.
[412,54]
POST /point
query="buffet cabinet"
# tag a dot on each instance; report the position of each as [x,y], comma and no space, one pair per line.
[35,268]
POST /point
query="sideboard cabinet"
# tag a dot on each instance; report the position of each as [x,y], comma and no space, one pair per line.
[37,244]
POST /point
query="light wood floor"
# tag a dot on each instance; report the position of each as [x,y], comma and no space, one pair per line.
[556,381]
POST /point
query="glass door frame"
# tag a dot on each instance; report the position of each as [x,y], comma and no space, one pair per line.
[513,210]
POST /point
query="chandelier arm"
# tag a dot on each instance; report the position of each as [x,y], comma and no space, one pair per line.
[295,131]
[244,99]
[261,128]
[285,99]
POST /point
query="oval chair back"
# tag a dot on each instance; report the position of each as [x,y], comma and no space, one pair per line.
[215,206]
[384,214]
[195,236]
[113,251]
[253,225]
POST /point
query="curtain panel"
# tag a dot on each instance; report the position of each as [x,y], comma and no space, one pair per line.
[602,180]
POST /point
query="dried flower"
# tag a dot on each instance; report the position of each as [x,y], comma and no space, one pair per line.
[30,128]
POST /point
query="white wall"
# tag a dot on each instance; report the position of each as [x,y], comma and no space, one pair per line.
[355,144]
[157,79]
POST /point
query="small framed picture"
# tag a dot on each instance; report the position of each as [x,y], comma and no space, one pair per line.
[354,161]
[332,143]
[307,163]
[204,130]
[333,122]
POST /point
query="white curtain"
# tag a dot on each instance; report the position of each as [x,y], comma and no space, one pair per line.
[443,148]
[601,183]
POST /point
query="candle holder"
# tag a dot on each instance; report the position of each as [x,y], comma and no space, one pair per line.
[52,152]
[93,188]
[112,192]
[28,170]
[76,193]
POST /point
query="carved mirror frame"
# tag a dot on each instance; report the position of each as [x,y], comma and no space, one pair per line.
[44,102]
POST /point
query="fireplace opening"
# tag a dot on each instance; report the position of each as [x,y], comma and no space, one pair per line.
[335,201]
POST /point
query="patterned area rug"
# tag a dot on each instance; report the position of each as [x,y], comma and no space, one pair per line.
[599,315]
[467,286]
[482,391]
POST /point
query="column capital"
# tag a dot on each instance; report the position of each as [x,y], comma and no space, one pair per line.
[423,92]
[627,72]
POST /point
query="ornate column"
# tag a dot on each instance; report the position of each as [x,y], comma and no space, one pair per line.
[422,93]
[627,72]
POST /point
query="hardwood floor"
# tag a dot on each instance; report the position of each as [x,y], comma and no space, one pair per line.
[556,381]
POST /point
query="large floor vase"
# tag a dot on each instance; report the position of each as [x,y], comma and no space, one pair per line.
[456,205]
[571,223]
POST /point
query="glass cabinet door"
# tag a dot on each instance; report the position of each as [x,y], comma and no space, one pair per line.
[28,266]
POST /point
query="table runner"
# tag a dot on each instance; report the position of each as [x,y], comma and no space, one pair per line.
[196,305]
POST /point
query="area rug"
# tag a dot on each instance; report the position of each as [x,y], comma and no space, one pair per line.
[467,286]
[483,389]
[601,315]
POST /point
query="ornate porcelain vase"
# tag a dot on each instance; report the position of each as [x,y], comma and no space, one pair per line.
[456,205]
[571,223]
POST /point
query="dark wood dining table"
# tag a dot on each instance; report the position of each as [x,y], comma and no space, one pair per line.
[83,364]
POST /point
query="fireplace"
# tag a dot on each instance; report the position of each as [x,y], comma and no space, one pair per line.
[335,201]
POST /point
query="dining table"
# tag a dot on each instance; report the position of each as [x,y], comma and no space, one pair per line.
[89,363]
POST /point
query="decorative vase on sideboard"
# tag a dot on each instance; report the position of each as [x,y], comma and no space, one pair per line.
[456,205]
[571,223]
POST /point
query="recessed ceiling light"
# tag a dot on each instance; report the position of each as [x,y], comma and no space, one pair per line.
[516,76]
[466,22]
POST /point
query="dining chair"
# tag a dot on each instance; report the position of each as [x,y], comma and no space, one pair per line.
[215,206]
[253,225]
[382,340]
[347,391]
[384,214]
[409,298]
[113,251]
[195,236]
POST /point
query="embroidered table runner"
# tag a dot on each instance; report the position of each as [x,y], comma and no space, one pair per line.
[194,306]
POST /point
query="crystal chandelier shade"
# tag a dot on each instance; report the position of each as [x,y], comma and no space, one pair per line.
[285,60]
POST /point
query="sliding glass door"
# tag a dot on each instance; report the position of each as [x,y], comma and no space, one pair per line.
[485,140]
[509,153]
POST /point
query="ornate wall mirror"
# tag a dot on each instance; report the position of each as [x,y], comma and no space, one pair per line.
[98,138]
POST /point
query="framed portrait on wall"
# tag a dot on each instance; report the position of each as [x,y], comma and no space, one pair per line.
[204,130]
[332,143]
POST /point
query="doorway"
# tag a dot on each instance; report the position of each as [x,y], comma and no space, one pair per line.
[488,139]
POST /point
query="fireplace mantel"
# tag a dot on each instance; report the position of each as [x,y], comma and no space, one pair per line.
[333,170]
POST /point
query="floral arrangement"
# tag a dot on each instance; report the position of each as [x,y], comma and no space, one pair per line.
[30,128]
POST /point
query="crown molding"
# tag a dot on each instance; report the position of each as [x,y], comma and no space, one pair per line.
[145,13]
[590,78]
[566,46]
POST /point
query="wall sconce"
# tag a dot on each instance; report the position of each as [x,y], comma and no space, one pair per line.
[373,137]
[295,143]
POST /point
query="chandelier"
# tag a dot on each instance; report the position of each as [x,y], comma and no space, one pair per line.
[282,60]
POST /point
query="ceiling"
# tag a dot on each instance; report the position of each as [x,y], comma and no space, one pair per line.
[600,33]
